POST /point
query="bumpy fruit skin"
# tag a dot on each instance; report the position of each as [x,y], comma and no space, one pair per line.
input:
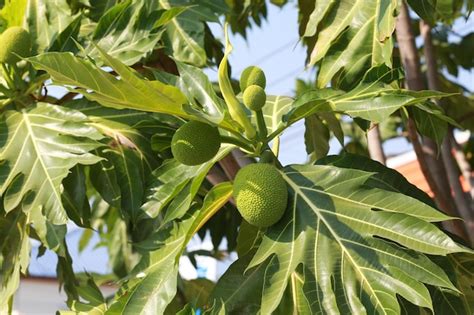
[14,41]
[195,143]
[252,76]
[254,97]
[261,194]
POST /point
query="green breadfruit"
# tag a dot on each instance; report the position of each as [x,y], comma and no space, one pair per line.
[195,143]
[14,42]
[261,194]
[252,76]
[254,97]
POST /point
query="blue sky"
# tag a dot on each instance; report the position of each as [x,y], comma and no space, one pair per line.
[274,47]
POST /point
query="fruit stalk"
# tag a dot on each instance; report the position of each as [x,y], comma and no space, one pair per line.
[261,126]
[236,110]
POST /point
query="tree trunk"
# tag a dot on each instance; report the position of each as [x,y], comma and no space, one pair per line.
[432,168]
[463,204]
[464,165]
[374,141]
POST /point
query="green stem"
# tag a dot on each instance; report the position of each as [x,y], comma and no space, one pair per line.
[268,156]
[236,110]
[237,142]
[261,126]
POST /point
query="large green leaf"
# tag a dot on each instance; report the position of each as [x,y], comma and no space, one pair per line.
[460,268]
[74,196]
[200,93]
[129,171]
[44,26]
[316,137]
[68,38]
[460,105]
[130,30]
[239,288]
[152,284]
[352,247]
[131,91]
[13,12]
[273,111]
[371,101]
[186,32]
[384,178]
[38,147]
[434,10]
[176,185]
[349,37]
[14,254]
[92,301]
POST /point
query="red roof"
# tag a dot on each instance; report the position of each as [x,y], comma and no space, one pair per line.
[412,172]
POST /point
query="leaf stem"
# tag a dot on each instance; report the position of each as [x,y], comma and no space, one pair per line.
[237,142]
[261,126]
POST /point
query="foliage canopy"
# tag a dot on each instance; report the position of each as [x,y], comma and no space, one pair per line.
[354,237]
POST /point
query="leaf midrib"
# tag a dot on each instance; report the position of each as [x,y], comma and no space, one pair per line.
[38,156]
[297,190]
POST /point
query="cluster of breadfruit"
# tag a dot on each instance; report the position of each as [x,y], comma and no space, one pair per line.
[260,191]
[15,43]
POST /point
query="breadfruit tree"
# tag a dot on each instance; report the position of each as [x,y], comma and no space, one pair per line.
[145,152]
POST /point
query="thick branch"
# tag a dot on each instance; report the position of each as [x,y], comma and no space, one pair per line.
[374,141]
[464,165]
[460,198]
[432,168]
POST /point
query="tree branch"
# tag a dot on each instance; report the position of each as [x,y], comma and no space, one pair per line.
[432,168]
[374,142]
[464,165]
[460,198]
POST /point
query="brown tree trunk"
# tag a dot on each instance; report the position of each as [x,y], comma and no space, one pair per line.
[464,165]
[426,151]
[463,204]
[374,142]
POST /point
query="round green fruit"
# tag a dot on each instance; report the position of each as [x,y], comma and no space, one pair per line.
[252,76]
[15,41]
[254,97]
[195,143]
[261,194]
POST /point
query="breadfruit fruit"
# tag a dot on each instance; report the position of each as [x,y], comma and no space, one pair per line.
[14,42]
[254,97]
[252,76]
[260,194]
[195,143]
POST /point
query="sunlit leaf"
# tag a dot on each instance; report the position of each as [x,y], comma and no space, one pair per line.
[14,254]
[152,284]
[131,91]
[347,235]
[349,37]
[38,147]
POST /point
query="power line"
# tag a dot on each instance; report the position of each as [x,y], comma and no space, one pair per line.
[285,76]
[274,52]
[271,54]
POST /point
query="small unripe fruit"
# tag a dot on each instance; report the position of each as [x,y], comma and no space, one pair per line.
[195,143]
[14,42]
[252,76]
[260,194]
[254,97]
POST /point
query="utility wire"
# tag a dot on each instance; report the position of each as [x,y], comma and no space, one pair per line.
[285,76]
[271,54]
